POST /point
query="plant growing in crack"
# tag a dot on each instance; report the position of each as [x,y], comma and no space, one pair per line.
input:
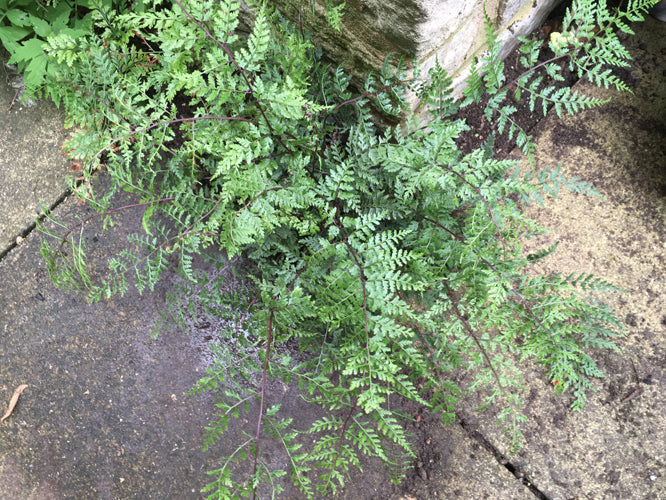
[391,259]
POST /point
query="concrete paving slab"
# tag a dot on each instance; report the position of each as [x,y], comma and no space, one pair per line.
[105,414]
[32,169]
[465,469]
[616,446]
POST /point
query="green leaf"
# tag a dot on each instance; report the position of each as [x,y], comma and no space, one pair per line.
[12,34]
[18,17]
[145,220]
[59,16]
[35,72]
[41,26]
[28,51]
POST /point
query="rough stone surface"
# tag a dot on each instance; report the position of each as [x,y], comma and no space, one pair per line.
[450,30]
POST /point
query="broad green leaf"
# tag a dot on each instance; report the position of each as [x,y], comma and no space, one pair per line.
[12,34]
[18,17]
[29,50]
[41,26]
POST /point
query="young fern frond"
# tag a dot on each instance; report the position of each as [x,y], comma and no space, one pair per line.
[588,43]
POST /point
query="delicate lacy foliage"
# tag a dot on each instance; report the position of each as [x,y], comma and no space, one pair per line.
[588,45]
[392,259]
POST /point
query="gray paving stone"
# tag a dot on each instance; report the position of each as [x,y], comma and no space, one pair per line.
[32,168]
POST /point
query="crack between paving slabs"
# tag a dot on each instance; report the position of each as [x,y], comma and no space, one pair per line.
[514,469]
[33,225]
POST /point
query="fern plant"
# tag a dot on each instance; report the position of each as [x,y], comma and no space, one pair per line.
[391,259]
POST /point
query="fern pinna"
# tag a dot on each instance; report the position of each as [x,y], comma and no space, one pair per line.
[391,258]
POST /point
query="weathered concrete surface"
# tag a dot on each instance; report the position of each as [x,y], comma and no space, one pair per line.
[465,470]
[451,30]
[616,446]
[32,169]
[104,415]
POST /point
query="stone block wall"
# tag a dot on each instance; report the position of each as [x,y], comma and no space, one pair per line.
[451,30]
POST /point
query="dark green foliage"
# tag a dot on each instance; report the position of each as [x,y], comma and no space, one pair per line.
[392,260]
[25,26]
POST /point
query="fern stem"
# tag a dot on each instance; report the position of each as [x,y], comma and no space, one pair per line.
[470,333]
[531,70]
[365,299]
[108,212]
[269,341]
[242,71]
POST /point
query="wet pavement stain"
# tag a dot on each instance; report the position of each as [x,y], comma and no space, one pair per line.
[105,415]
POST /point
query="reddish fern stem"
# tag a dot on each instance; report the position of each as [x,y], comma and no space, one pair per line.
[269,341]
[107,212]
[242,71]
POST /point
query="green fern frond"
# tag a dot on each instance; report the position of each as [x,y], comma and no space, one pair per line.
[388,258]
